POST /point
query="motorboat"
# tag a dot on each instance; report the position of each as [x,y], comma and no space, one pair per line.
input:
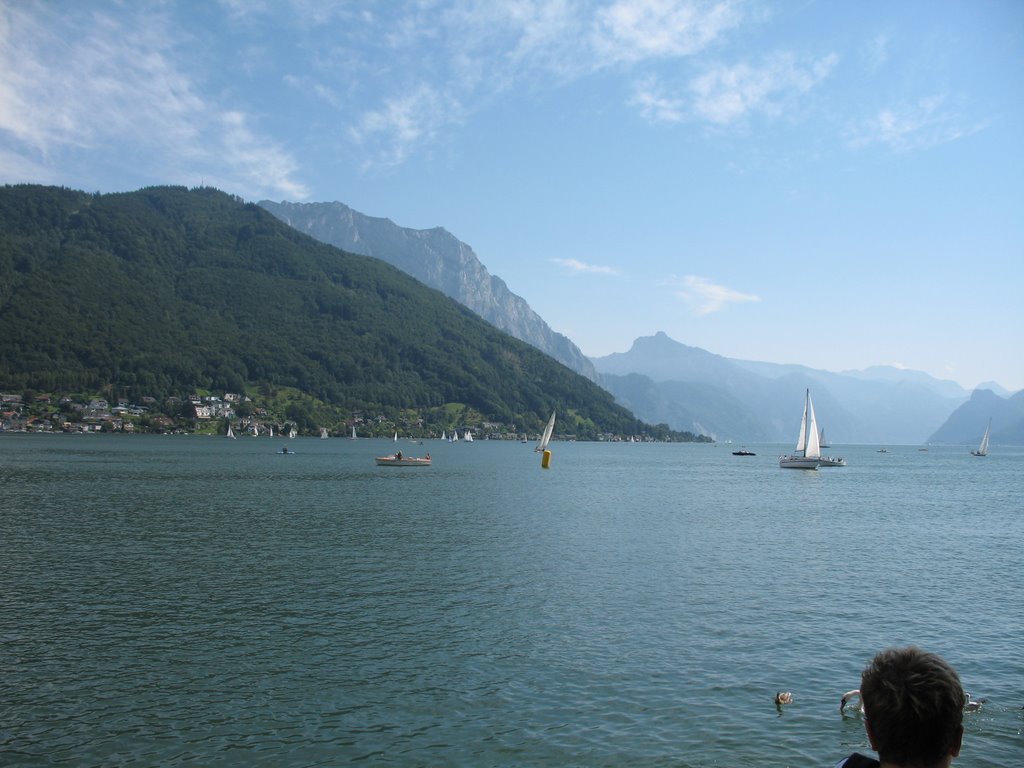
[400,460]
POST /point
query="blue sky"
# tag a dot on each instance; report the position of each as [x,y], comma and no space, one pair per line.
[835,184]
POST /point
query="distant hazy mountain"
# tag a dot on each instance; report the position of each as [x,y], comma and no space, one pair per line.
[439,259]
[665,381]
[966,424]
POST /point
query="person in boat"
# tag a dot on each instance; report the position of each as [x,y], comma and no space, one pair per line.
[913,711]
[428,456]
[398,455]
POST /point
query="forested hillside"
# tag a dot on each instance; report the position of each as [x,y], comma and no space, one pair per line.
[166,290]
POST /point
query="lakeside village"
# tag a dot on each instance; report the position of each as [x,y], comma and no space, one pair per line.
[212,415]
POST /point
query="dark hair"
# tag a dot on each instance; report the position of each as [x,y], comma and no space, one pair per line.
[913,704]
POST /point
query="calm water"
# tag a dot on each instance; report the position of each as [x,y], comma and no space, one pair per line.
[200,601]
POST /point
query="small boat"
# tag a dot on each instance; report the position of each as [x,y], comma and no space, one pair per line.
[285,452]
[983,448]
[323,433]
[743,452]
[353,432]
[546,437]
[399,460]
[230,433]
[822,443]
[468,436]
[292,433]
[807,451]
[542,446]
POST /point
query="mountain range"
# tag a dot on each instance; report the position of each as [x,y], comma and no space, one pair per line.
[166,291]
[167,287]
[662,380]
[750,401]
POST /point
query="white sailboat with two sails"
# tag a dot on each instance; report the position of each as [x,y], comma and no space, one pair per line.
[808,449]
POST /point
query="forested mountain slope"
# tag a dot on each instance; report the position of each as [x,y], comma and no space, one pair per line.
[165,290]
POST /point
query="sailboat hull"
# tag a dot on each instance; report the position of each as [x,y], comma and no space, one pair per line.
[797,462]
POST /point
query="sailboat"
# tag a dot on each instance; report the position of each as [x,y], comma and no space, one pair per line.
[983,448]
[323,433]
[353,431]
[291,432]
[822,442]
[546,437]
[808,450]
[231,432]
[542,446]
[444,434]
[271,430]
[468,436]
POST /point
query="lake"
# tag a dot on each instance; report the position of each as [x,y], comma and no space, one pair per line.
[200,601]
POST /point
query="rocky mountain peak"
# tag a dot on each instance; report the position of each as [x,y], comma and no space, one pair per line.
[439,259]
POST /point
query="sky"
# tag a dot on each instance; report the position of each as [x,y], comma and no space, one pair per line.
[831,183]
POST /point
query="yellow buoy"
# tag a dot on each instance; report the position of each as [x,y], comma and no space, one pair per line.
[545,459]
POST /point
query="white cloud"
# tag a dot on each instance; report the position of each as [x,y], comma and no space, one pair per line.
[473,51]
[726,94]
[654,105]
[580,267]
[637,30]
[705,297]
[916,125]
[404,122]
[116,85]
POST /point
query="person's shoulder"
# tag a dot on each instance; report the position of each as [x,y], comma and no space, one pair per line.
[857,760]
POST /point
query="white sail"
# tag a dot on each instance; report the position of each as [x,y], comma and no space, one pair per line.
[801,441]
[323,433]
[271,430]
[231,433]
[546,437]
[444,435]
[292,432]
[396,437]
[983,448]
[813,448]
[468,436]
[353,431]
